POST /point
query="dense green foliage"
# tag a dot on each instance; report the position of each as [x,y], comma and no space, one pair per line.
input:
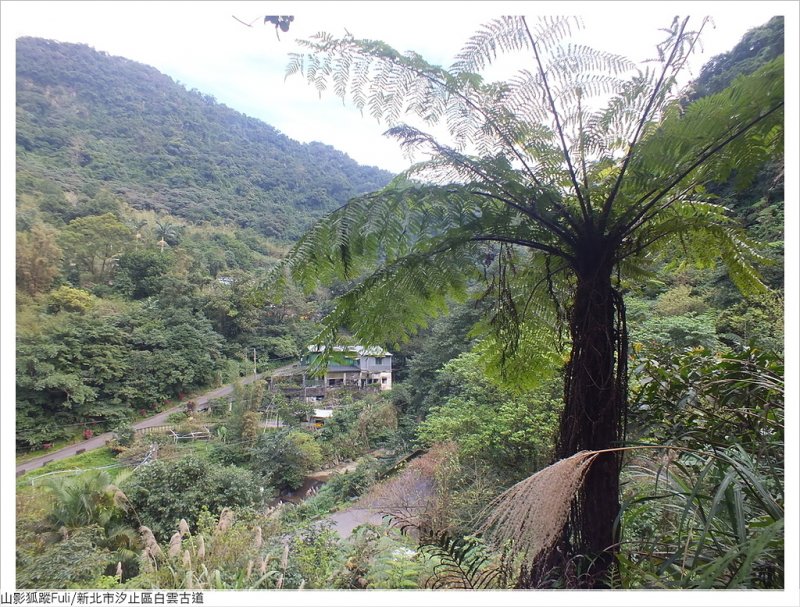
[348,485]
[357,427]
[512,432]
[120,310]
[165,491]
[75,562]
[87,120]
[83,513]
[85,365]
[708,513]
[380,560]
[284,458]
[128,296]
[105,333]
[758,46]
[419,360]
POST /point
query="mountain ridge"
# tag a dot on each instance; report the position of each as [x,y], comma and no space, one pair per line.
[88,120]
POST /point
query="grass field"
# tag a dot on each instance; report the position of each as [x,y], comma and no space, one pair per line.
[97,458]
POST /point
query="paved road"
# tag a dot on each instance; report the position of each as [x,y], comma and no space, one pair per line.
[157,420]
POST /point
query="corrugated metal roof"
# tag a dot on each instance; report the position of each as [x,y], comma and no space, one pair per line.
[360,350]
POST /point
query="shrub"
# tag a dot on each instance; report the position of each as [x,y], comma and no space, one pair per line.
[72,561]
[348,485]
[69,299]
[164,492]
[177,418]
[125,434]
[315,555]
[228,454]
[380,558]
[284,457]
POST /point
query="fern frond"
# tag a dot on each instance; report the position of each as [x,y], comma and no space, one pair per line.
[463,563]
[502,35]
[394,302]
[705,233]
[706,141]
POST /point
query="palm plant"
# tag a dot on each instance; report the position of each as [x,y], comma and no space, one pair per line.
[85,500]
[167,233]
[93,500]
[137,225]
[545,199]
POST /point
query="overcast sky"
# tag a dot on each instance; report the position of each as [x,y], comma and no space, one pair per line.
[201,45]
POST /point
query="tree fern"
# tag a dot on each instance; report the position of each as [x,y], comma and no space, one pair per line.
[542,199]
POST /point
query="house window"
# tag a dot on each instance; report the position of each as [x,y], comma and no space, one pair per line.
[379,361]
[383,380]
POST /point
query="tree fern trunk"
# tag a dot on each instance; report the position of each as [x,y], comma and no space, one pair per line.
[595,390]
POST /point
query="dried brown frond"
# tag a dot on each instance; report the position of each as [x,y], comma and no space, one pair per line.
[187,559]
[175,544]
[258,540]
[183,527]
[532,513]
[249,568]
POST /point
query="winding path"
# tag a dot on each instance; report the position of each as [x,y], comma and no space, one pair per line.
[157,420]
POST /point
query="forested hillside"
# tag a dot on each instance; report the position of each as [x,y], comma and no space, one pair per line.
[87,120]
[587,348]
[144,212]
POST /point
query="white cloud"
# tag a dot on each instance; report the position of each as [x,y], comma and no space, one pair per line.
[204,47]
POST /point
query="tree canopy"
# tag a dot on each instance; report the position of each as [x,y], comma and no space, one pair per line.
[87,120]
